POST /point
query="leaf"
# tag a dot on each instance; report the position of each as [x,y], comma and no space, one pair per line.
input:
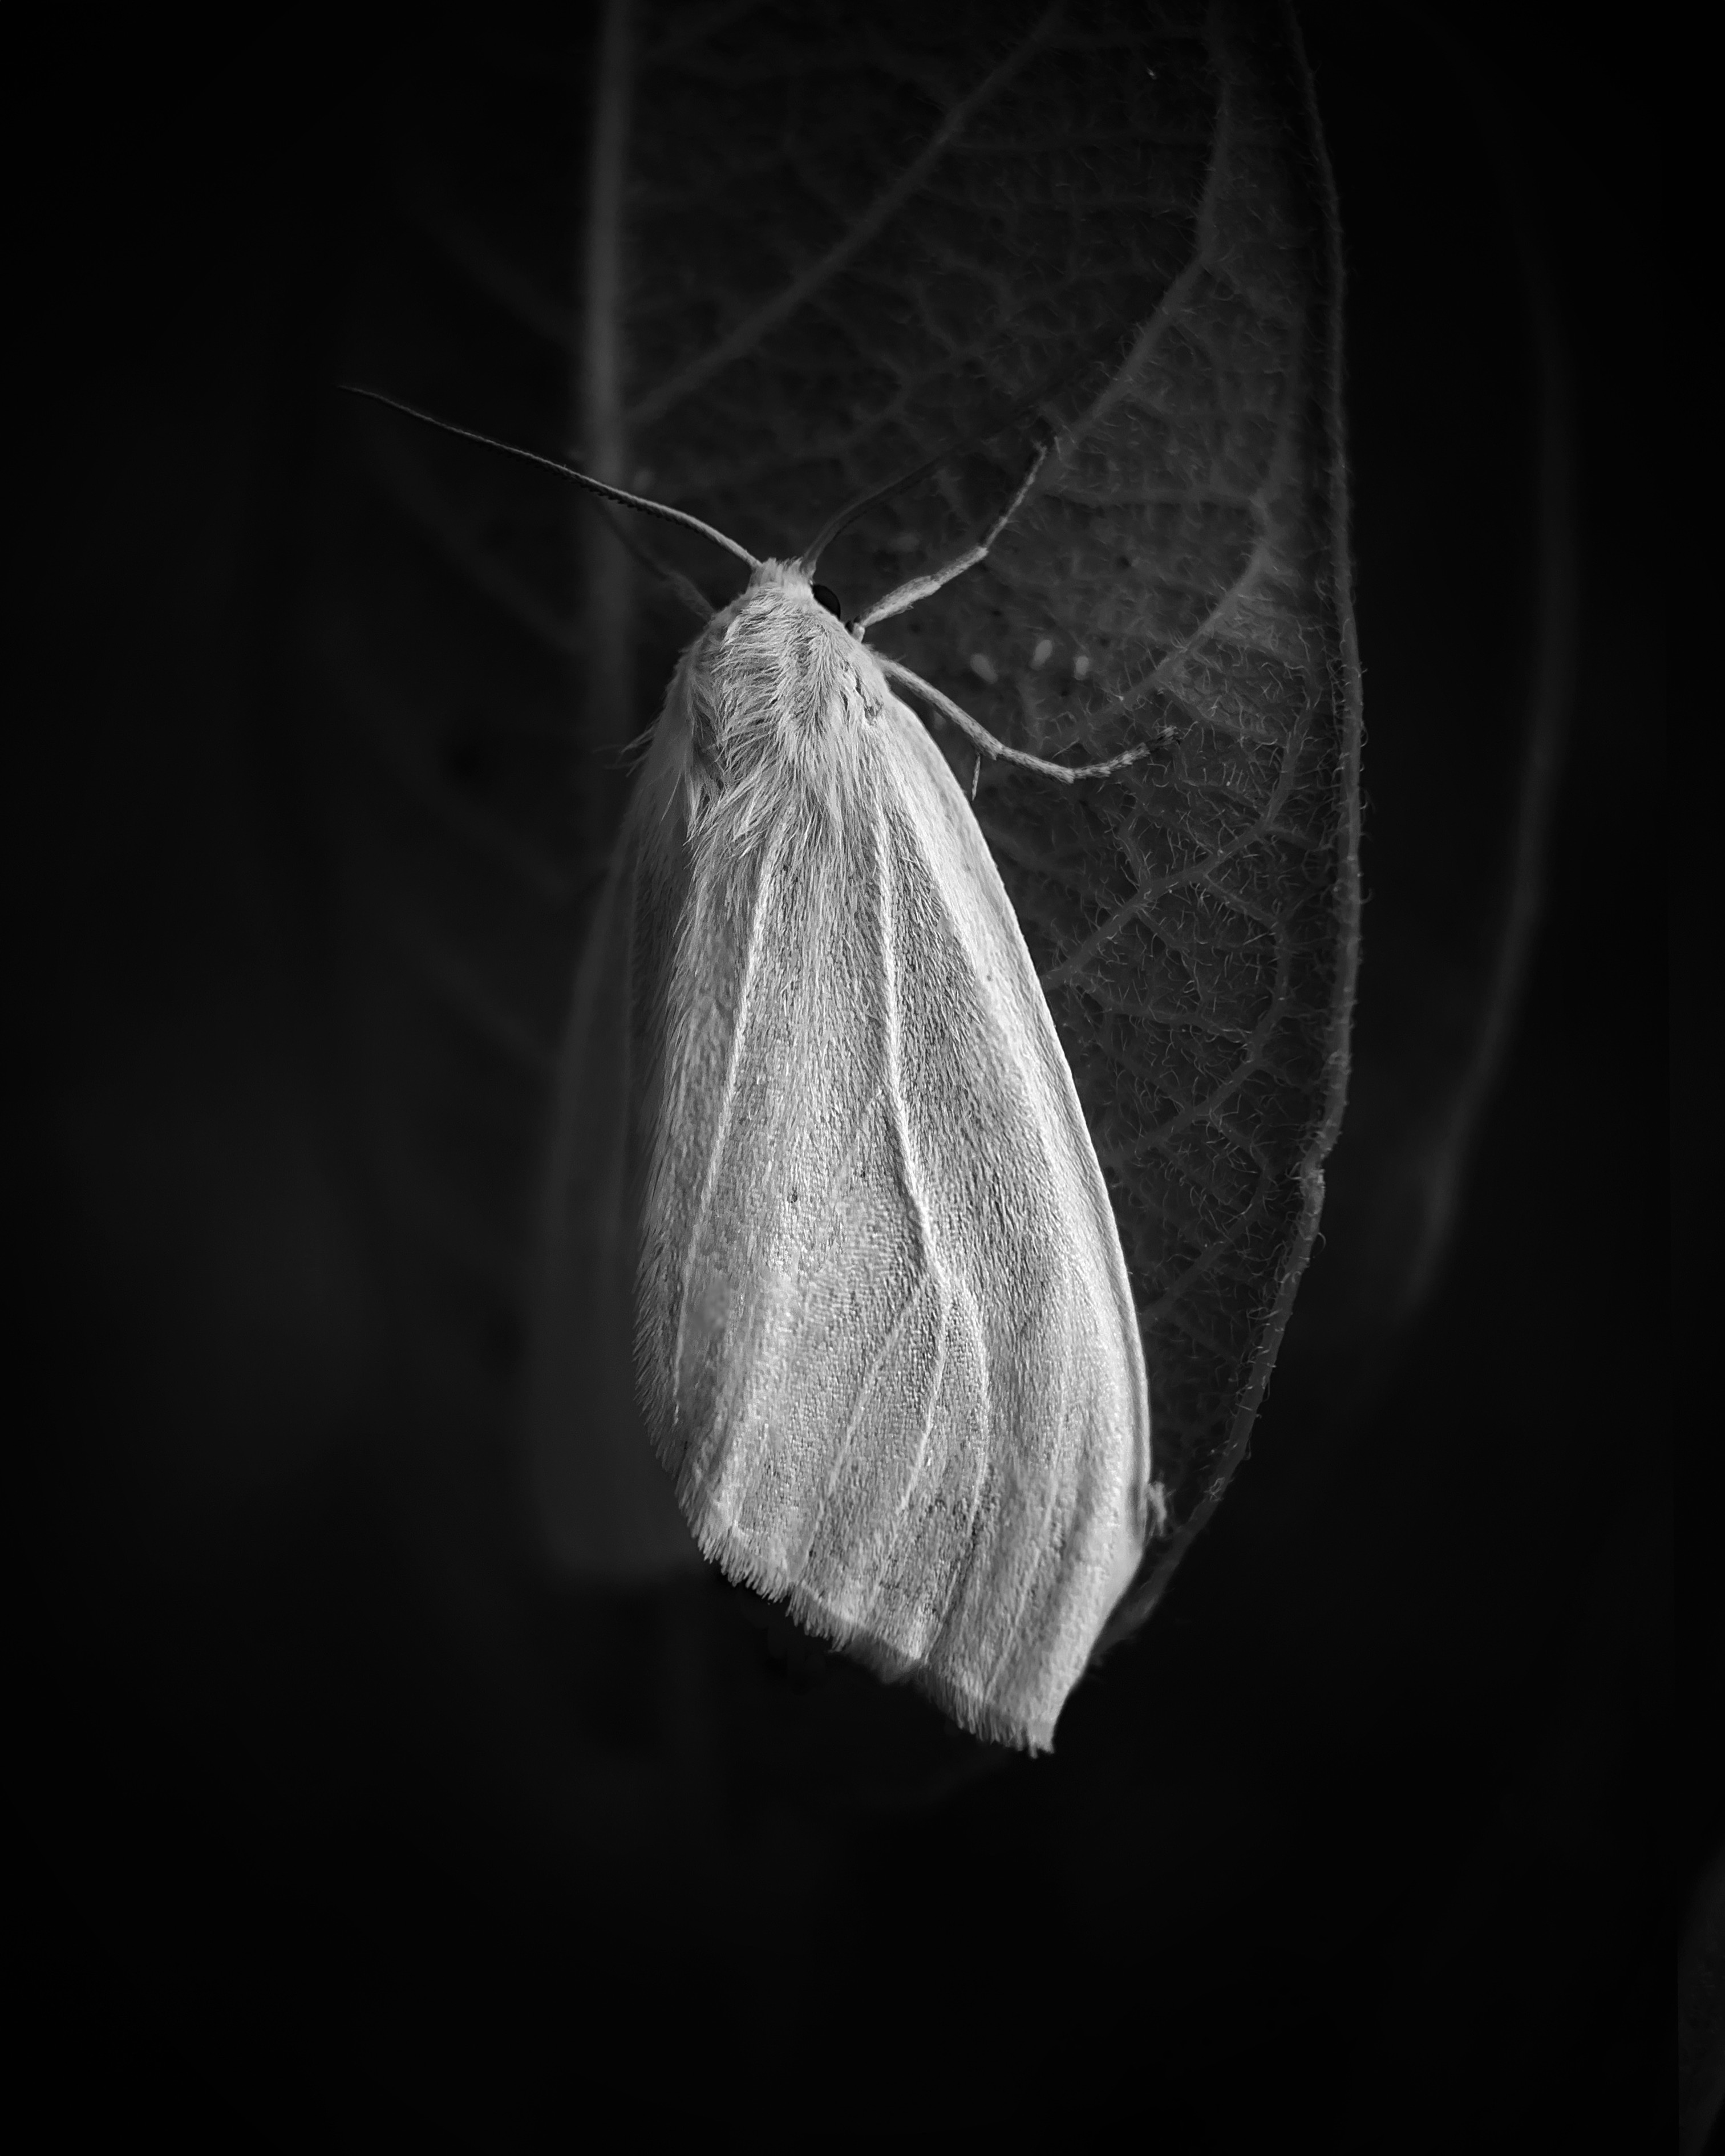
[1178,577]
[841,243]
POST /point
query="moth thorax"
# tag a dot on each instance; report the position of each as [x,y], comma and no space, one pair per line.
[778,691]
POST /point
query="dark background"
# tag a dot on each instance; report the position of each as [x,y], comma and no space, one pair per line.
[1369,1836]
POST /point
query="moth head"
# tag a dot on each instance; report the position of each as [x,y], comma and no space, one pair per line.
[780,655]
[793,584]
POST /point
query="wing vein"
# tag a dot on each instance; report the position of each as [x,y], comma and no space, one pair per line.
[892,1057]
[727,1102]
[891,1086]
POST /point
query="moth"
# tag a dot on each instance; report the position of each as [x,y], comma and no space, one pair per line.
[818,1145]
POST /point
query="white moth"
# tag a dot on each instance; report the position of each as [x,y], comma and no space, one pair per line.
[815,1125]
[885,1339]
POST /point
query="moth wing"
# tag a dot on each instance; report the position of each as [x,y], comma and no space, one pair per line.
[605,1508]
[888,1341]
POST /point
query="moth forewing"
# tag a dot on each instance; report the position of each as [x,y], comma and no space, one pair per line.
[887,1343]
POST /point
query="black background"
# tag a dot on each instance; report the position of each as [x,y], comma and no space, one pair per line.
[1369,1837]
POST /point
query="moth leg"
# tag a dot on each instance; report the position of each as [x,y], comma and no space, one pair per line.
[921,587]
[1066,773]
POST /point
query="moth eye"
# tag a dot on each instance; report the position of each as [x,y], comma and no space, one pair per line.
[828,597]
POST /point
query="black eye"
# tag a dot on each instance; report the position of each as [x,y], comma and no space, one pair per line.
[828,597]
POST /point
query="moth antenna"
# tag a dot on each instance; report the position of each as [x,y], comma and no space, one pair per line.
[848,515]
[675,581]
[566,471]
[811,554]
[921,587]
[1066,773]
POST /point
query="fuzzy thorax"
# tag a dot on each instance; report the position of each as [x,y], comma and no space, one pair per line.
[768,715]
